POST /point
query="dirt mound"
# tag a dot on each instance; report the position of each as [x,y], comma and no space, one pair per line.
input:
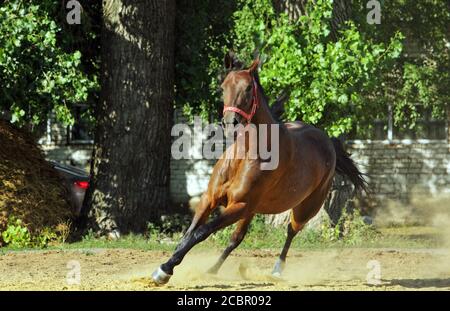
[30,189]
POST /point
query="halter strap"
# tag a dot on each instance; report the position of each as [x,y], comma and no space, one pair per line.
[255,104]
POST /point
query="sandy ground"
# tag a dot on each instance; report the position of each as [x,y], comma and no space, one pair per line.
[329,269]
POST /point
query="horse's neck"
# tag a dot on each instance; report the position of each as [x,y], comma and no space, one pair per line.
[263,114]
[263,118]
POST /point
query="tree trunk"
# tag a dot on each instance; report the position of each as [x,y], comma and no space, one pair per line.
[341,14]
[448,126]
[296,8]
[131,159]
[293,8]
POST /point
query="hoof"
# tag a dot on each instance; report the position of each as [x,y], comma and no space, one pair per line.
[160,277]
[275,277]
[278,268]
[276,274]
[212,271]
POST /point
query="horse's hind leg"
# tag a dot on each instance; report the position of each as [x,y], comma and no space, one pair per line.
[300,215]
[291,233]
[236,239]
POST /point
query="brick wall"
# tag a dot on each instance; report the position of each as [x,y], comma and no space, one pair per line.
[395,169]
[189,178]
[54,143]
[77,155]
[399,169]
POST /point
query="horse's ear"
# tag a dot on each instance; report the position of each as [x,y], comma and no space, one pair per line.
[228,60]
[254,66]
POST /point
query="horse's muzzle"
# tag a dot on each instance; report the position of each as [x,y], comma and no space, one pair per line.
[229,127]
[226,123]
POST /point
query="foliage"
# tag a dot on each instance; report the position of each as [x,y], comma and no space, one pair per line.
[153,231]
[63,231]
[169,228]
[202,37]
[324,77]
[351,229]
[36,73]
[90,235]
[46,236]
[419,79]
[340,85]
[353,232]
[16,234]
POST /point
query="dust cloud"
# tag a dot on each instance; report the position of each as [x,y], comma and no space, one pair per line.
[421,210]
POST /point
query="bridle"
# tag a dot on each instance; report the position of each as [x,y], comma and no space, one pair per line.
[255,104]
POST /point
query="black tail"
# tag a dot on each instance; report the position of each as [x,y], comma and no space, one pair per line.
[345,166]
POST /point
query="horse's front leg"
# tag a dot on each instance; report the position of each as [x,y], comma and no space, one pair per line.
[230,215]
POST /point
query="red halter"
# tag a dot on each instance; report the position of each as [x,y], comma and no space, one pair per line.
[255,104]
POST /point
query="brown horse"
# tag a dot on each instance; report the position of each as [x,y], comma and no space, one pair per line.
[308,159]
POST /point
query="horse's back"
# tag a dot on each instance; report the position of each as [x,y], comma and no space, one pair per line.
[311,143]
[296,125]
[305,132]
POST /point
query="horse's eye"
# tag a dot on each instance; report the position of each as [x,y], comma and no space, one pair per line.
[249,88]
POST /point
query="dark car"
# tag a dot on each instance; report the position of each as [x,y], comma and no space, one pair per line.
[77,182]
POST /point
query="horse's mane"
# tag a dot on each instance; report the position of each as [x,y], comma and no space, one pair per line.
[277,108]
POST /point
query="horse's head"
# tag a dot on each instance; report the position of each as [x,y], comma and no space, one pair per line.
[240,95]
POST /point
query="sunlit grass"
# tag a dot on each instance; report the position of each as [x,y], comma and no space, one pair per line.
[260,237]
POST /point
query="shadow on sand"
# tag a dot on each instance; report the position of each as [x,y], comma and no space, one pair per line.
[420,283]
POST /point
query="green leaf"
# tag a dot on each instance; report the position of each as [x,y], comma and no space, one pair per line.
[343,99]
